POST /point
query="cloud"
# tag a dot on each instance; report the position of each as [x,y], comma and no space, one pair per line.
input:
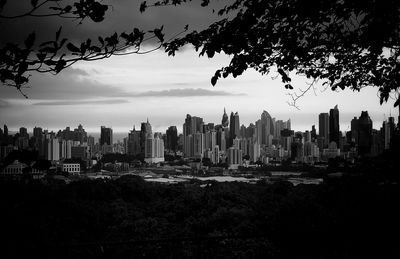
[70,84]
[82,102]
[4,104]
[189,92]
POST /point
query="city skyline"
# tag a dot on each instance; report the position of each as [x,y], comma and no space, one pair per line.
[344,126]
[119,136]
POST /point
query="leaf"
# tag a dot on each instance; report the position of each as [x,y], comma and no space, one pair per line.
[60,65]
[22,68]
[30,40]
[101,40]
[34,3]
[214,80]
[158,33]
[2,3]
[46,43]
[41,56]
[67,9]
[71,47]
[143,6]
[397,102]
[58,33]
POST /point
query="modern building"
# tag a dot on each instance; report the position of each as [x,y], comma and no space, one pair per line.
[154,150]
[334,129]
[133,142]
[172,138]
[72,168]
[234,158]
[225,120]
[234,127]
[106,136]
[364,134]
[323,127]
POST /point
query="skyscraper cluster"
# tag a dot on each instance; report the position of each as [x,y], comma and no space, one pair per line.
[146,144]
[232,142]
[55,147]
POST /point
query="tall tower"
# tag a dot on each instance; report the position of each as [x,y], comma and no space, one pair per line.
[145,132]
[172,138]
[334,125]
[267,127]
[234,127]
[106,136]
[364,134]
[323,123]
[225,120]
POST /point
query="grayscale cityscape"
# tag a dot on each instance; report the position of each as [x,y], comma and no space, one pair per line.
[199,129]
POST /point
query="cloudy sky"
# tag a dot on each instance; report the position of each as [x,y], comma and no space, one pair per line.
[123,91]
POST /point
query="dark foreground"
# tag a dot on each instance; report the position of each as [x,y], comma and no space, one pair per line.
[130,218]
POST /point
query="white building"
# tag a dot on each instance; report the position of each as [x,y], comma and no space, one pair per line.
[72,168]
[52,149]
[154,150]
[234,158]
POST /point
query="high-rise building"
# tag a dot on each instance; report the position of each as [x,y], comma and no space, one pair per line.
[145,133]
[234,157]
[267,128]
[313,133]
[5,131]
[388,131]
[106,136]
[133,142]
[52,149]
[354,130]
[154,149]
[192,126]
[250,131]
[198,145]
[234,126]
[37,132]
[323,127]
[210,140]
[334,125]
[23,132]
[254,151]
[364,134]
[221,139]
[80,134]
[172,138]
[225,120]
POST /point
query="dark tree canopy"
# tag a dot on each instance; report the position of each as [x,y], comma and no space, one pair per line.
[345,43]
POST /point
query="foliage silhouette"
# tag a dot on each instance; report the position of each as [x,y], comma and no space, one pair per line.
[16,61]
[344,43]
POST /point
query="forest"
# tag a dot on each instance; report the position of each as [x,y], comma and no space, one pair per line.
[350,217]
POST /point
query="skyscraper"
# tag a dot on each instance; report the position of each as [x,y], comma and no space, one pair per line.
[133,142]
[234,127]
[172,138]
[364,134]
[154,149]
[106,136]
[323,124]
[267,127]
[334,125]
[145,132]
[225,121]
